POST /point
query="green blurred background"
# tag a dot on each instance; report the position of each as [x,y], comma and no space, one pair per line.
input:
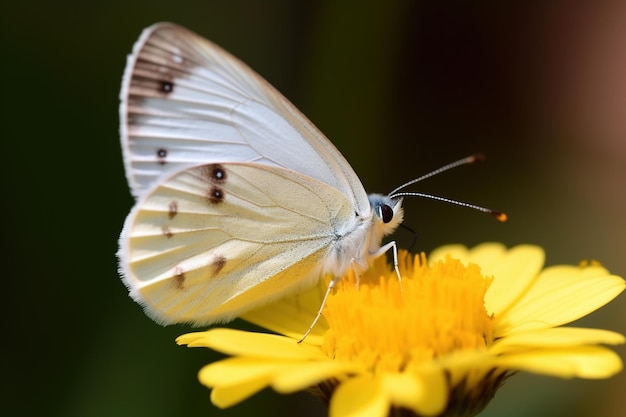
[400,87]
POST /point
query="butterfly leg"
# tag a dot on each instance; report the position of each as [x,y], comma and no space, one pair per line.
[331,285]
[384,249]
[357,265]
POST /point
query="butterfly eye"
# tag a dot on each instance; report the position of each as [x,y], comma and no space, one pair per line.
[385,212]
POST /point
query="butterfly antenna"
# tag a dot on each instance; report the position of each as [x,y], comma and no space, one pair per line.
[478,157]
[464,161]
[497,214]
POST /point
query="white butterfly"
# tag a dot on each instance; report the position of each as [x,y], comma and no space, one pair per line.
[240,198]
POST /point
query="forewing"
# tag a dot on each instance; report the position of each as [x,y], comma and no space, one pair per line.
[185,102]
[214,240]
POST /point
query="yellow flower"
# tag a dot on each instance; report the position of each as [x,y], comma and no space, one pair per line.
[439,343]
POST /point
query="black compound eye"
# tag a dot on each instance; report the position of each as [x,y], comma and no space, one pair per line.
[386,213]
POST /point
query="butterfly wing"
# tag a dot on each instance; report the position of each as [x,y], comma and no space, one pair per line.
[212,241]
[185,102]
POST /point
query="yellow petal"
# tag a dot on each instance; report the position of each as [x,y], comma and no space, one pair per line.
[224,397]
[235,379]
[426,393]
[292,315]
[468,366]
[514,272]
[242,343]
[305,375]
[459,252]
[487,254]
[237,370]
[561,295]
[556,337]
[584,362]
[359,397]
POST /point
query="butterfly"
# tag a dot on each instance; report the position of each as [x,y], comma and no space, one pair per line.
[240,199]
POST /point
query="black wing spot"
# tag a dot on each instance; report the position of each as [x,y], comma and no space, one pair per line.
[217,264]
[216,195]
[167,232]
[161,155]
[166,87]
[179,278]
[215,173]
[172,209]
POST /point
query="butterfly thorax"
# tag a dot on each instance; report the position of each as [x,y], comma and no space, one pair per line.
[360,241]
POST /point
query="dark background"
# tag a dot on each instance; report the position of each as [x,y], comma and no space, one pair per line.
[400,89]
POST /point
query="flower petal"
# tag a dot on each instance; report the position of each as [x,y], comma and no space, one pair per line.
[514,272]
[426,392]
[292,315]
[307,374]
[362,396]
[235,379]
[459,252]
[591,362]
[561,295]
[556,337]
[227,396]
[470,366]
[238,342]
[487,254]
[238,370]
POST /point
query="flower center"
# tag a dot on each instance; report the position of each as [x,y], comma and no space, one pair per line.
[391,326]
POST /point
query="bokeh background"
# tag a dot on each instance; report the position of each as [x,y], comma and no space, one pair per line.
[400,87]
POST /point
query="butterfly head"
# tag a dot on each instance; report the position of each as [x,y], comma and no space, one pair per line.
[388,213]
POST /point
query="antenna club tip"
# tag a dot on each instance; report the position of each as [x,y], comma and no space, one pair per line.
[500,216]
[478,157]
